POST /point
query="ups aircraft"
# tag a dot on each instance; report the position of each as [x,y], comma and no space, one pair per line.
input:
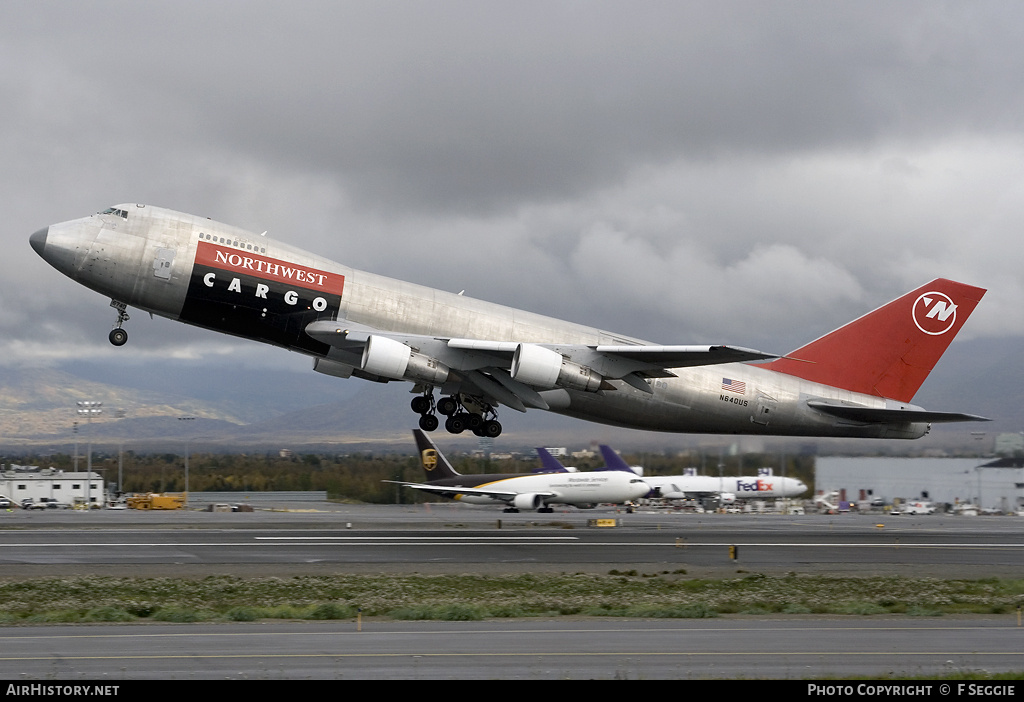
[516,491]
[466,357]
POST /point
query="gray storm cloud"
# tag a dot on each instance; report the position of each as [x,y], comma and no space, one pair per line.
[745,172]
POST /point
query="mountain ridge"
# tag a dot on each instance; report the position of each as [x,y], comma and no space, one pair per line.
[248,407]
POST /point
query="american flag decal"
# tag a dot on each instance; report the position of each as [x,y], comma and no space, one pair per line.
[737,386]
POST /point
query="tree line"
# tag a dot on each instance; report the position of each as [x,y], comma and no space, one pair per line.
[360,476]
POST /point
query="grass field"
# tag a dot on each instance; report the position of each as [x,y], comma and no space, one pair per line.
[468,597]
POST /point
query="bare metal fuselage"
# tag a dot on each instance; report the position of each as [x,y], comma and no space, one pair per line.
[160,261]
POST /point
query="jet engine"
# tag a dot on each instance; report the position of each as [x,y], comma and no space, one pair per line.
[388,358]
[542,367]
[528,500]
[727,498]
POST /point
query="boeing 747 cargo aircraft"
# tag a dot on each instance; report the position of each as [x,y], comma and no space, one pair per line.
[466,357]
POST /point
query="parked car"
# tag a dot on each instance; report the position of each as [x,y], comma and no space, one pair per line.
[44,503]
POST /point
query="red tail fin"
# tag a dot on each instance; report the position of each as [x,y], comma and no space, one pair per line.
[888,352]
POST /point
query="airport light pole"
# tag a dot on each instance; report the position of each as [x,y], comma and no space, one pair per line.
[187,435]
[120,455]
[89,409]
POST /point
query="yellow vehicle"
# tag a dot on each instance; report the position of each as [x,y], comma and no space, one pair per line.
[154,500]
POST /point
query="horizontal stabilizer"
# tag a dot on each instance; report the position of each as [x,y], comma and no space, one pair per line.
[873,415]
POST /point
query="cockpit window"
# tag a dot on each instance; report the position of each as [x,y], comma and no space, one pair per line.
[114,211]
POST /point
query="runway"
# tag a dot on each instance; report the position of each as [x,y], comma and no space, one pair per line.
[522,649]
[457,539]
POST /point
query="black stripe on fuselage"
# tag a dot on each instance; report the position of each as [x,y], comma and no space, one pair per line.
[257,308]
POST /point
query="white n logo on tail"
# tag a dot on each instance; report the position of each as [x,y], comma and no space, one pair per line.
[934,313]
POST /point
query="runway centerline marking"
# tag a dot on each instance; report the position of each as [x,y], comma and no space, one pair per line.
[418,538]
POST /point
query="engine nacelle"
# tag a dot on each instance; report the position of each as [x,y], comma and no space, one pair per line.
[544,368]
[335,368]
[426,369]
[727,498]
[388,358]
[528,500]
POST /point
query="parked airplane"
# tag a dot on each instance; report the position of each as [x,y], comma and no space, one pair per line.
[518,491]
[857,381]
[729,489]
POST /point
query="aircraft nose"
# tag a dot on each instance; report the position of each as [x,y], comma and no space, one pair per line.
[38,240]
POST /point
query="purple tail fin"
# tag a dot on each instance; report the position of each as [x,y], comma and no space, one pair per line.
[612,460]
[548,463]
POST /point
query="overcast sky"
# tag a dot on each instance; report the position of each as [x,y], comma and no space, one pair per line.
[755,173]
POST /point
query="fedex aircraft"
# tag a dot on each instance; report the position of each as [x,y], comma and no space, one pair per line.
[682,487]
[536,491]
[466,357]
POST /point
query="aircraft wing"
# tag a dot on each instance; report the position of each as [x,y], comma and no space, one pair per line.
[683,356]
[452,491]
[511,373]
[872,415]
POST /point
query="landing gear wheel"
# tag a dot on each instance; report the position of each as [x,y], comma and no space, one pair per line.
[428,422]
[455,424]
[490,429]
[118,337]
[420,404]
[448,406]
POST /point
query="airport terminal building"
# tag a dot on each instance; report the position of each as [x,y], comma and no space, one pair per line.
[991,484]
[68,488]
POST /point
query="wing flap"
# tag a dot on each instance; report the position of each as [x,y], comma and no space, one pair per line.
[684,356]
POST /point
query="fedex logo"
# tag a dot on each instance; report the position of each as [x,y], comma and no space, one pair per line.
[754,486]
[934,313]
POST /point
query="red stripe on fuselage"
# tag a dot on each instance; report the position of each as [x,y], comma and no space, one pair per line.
[248,263]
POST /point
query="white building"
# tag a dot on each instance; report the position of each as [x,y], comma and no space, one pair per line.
[20,482]
[987,483]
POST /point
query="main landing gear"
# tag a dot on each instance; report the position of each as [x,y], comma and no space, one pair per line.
[479,418]
[118,336]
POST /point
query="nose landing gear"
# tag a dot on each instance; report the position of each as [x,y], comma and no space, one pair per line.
[118,336]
